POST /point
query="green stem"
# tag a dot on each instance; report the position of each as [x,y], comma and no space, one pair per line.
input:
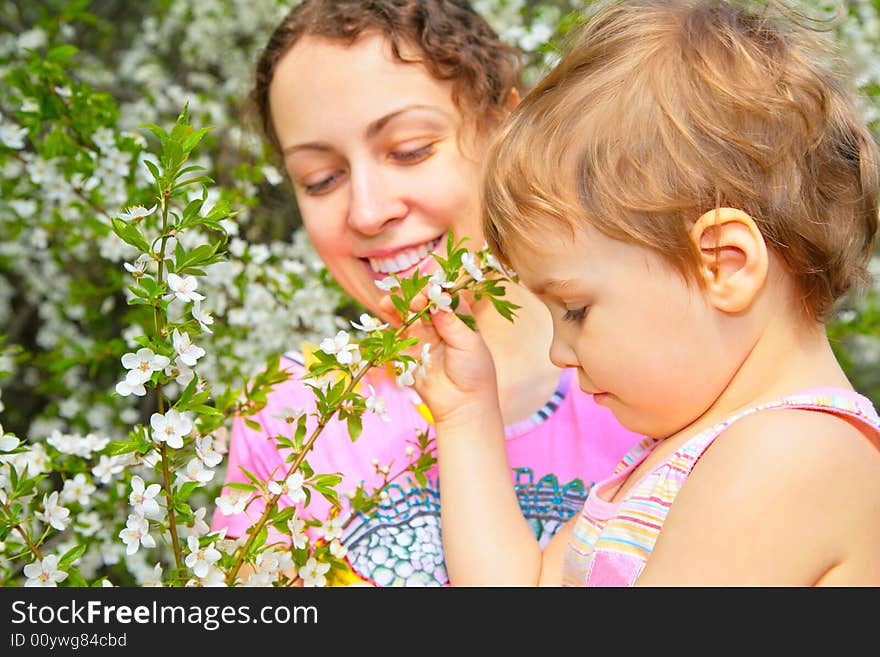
[258,526]
[17,527]
[160,327]
[387,481]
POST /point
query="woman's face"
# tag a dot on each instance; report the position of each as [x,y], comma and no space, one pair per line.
[374,149]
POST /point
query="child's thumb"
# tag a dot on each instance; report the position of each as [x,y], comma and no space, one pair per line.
[454,332]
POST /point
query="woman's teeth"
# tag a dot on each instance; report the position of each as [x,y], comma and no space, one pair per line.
[404,259]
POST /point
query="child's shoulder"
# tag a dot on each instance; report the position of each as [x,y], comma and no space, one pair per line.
[813,453]
[780,497]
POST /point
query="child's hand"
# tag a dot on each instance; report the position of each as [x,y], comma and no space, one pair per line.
[460,378]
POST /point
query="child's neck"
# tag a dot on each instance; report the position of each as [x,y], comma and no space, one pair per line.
[781,362]
[784,360]
[520,349]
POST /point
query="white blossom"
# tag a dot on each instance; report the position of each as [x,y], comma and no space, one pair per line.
[171,427]
[12,136]
[139,266]
[143,498]
[195,471]
[439,278]
[136,212]
[152,578]
[53,513]
[107,467]
[181,373]
[232,502]
[442,301]
[273,177]
[369,324]
[404,373]
[200,559]
[425,360]
[337,549]
[184,287]
[332,528]
[376,404]
[44,572]
[387,284]
[469,262]
[124,389]
[292,487]
[141,366]
[187,352]
[88,523]
[136,533]
[8,441]
[203,317]
[313,572]
[298,535]
[346,354]
[289,414]
[205,450]
[199,527]
[79,489]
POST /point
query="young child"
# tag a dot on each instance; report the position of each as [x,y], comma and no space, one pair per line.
[688,192]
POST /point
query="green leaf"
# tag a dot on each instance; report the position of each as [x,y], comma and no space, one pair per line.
[60,54]
[193,140]
[250,475]
[400,304]
[75,579]
[71,555]
[253,424]
[237,485]
[129,234]
[260,540]
[354,427]
[185,490]
[154,170]
[469,320]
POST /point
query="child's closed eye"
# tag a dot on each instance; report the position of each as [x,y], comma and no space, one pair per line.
[575,314]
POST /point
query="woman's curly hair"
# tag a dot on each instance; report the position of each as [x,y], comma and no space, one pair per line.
[455,44]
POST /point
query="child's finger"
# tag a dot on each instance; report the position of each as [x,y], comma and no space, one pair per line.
[389,311]
[454,332]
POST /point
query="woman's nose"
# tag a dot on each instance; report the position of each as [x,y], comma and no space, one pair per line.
[374,202]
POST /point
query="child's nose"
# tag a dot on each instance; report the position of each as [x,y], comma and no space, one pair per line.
[373,203]
[561,354]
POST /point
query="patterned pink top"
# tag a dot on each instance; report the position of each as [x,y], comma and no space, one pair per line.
[612,542]
[555,456]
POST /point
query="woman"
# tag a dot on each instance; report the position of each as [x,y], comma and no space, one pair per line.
[382,112]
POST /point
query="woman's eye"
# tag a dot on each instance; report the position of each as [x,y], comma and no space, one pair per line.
[323,185]
[414,155]
[575,314]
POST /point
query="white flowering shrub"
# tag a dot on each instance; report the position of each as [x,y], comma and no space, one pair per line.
[152,269]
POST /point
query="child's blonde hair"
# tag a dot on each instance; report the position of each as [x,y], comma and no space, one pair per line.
[662,110]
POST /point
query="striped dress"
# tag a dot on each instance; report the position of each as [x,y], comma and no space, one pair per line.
[612,542]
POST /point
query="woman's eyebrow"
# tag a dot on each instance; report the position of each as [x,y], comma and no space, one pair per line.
[373,129]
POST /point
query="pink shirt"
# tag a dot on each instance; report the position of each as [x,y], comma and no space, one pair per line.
[555,456]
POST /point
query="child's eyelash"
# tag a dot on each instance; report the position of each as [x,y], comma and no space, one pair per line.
[575,314]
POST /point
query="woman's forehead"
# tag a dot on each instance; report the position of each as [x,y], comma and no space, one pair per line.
[325,86]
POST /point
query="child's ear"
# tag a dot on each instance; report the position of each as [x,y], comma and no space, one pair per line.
[733,258]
